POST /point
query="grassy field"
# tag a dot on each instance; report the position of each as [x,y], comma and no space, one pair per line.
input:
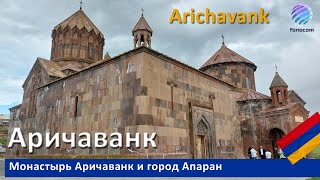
[316,152]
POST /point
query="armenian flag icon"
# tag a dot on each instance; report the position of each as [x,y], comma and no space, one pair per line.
[302,140]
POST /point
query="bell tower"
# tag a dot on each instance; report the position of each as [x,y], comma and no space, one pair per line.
[142,33]
[279,91]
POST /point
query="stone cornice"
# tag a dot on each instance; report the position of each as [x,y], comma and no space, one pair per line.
[201,104]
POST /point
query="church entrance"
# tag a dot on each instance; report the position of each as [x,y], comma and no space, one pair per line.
[201,147]
[275,135]
[202,134]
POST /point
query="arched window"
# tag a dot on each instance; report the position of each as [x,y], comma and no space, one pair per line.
[279,97]
[90,51]
[202,127]
[76,108]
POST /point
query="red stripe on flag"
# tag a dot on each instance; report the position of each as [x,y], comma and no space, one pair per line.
[298,131]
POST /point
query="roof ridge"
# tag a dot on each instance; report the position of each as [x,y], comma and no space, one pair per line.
[66,19]
[91,22]
[253,95]
[79,18]
[41,62]
[51,68]
[226,49]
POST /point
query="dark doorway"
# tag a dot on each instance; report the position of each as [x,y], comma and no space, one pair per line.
[275,135]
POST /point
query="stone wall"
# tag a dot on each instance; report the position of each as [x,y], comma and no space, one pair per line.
[37,78]
[234,73]
[168,80]
[139,91]
[278,120]
[101,99]
[249,128]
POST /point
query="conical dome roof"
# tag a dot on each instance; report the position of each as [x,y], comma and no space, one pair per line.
[278,81]
[226,55]
[142,24]
[80,20]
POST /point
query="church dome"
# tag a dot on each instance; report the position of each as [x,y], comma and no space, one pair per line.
[232,68]
[226,55]
[78,41]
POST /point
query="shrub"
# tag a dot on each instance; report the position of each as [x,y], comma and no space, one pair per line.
[3,141]
[4,130]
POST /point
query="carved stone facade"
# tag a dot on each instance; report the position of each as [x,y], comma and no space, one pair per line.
[213,112]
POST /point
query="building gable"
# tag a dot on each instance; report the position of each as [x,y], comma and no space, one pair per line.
[294,97]
[49,68]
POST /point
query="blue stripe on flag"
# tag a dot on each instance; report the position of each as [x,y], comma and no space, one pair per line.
[302,140]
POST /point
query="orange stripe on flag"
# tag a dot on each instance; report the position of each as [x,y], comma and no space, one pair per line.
[305,149]
[299,131]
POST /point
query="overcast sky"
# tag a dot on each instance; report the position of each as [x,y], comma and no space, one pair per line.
[26,26]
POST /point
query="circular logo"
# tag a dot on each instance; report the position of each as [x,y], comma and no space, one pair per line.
[301,14]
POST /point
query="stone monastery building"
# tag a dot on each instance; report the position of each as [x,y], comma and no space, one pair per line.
[211,112]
